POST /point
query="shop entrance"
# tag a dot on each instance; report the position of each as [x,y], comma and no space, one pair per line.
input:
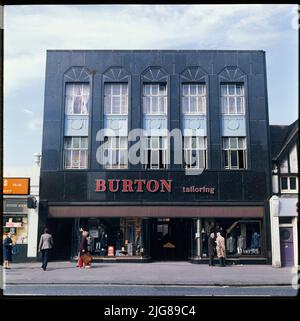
[61,230]
[170,238]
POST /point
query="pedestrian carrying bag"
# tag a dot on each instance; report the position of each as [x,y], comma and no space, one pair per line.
[86,258]
[14,250]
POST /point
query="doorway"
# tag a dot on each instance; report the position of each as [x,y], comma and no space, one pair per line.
[286,246]
[61,230]
[170,239]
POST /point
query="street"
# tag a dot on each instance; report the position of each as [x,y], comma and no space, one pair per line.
[149,279]
[147,290]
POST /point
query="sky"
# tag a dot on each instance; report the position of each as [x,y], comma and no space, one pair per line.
[30,30]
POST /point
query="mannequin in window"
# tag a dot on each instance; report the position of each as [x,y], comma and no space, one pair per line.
[230,244]
[204,241]
[255,241]
[241,244]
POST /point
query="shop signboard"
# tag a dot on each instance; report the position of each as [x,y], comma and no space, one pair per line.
[13,224]
[16,186]
[14,206]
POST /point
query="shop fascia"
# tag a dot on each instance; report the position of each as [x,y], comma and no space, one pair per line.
[133,185]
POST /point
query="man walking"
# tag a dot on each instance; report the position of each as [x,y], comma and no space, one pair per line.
[211,248]
[45,245]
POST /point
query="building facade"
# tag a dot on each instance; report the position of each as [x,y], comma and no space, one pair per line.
[284,202]
[19,185]
[152,150]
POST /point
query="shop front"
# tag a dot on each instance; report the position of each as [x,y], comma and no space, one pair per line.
[15,221]
[139,216]
[163,233]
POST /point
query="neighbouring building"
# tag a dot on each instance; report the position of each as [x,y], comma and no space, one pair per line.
[164,206]
[284,202]
[20,217]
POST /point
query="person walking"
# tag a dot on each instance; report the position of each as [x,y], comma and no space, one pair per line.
[220,247]
[83,250]
[7,251]
[211,248]
[80,238]
[45,245]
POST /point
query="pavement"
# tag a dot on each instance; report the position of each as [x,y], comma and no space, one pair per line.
[151,274]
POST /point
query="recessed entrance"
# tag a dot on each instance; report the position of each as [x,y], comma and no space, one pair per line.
[61,230]
[170,239]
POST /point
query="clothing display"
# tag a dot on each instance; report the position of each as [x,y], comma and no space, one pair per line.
[231,244]
[241,244]
[255,241]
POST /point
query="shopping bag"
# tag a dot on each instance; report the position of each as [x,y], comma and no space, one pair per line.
[14,250]
[86,258]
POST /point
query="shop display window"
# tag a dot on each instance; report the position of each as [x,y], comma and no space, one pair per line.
[114,236]
[18,227]
[242,237]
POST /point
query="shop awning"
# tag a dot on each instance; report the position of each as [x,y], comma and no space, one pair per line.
[155,211]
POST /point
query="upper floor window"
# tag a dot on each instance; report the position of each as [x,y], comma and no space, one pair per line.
[234,152]
[232,98]
[289,184]
[155,99]
[77,99]
[193,99]
[194,148]
[75,152]
[115,99]
[116,152]
[155,152]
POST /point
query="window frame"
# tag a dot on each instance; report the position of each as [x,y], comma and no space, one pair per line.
[203,97]
[73,149]
[66,107]
[111,149]
[199,149]
[227,152]
[151,96]
[289,190]
[162,151]
[113,95]
[235,96]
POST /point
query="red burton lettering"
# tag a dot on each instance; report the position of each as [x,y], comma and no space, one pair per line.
[136,185]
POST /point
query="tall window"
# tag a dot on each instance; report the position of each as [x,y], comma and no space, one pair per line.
[234,152]
[116,152]
[75,152]
[232,98]
[155,99]
[77,99]
[193,99]
[116,99]
[289,184]
[155,152]
[194,152]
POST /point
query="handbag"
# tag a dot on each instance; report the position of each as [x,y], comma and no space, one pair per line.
[86,258]
[14,250]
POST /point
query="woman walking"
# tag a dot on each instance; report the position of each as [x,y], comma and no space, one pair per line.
[220,241]
[7,251]
[211,248]
[84,260]
[45,245]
